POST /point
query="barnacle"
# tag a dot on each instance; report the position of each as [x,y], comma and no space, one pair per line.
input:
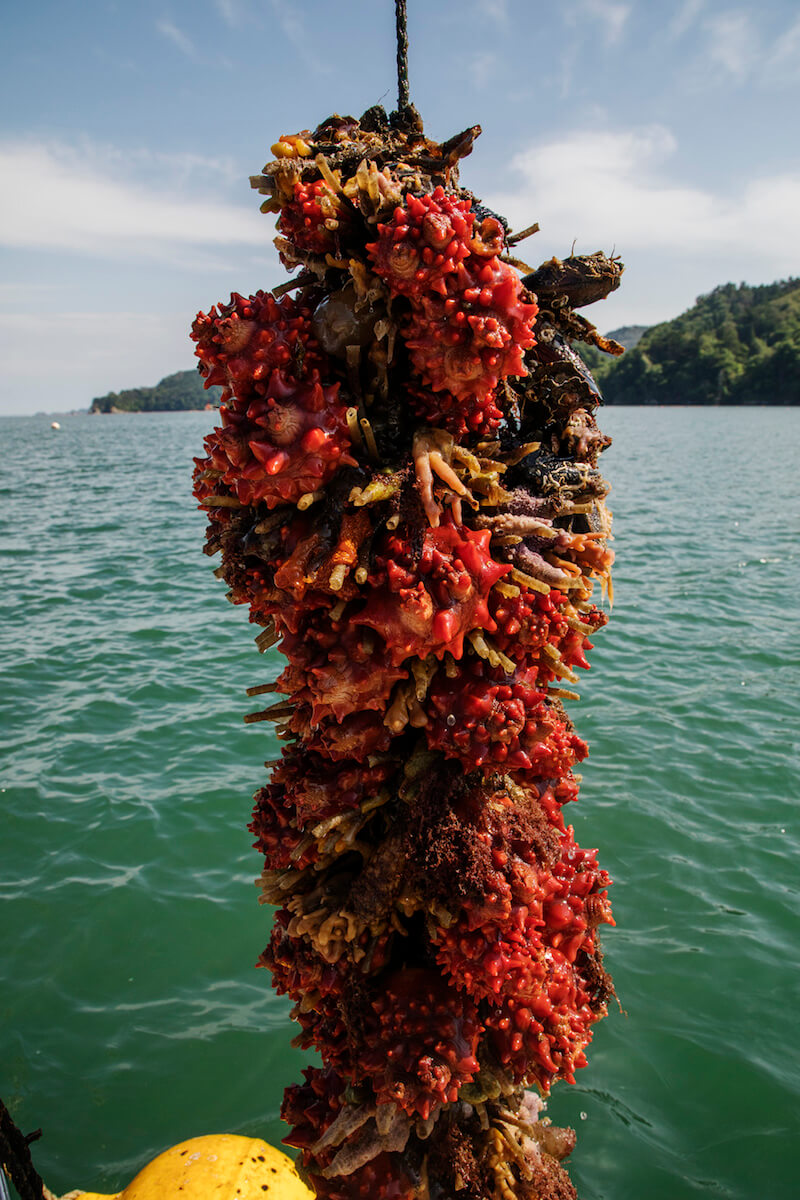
[405,493]
[520,959]
[358,735]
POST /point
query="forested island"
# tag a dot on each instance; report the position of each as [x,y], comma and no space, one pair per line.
[183,390]
[737,345]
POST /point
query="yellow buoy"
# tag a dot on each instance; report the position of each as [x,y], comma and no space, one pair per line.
[218,1167]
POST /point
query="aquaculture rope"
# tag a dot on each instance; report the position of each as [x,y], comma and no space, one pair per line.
[404,489]
[401,22]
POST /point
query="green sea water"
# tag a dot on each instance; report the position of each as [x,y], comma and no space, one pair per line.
[130,1013]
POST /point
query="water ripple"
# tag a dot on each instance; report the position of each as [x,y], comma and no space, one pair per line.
[130,913]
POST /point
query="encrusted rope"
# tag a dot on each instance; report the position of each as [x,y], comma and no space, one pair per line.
[15,1158]
[402,54]
[16,1162]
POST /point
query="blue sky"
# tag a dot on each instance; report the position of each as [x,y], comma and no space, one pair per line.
[665,129]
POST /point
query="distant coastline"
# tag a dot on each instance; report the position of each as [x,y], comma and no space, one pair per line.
[175,393]
[737,345]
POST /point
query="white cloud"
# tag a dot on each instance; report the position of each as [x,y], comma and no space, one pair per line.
[613,190]
[732,47]
[59,197]
[783,62]
[612,15]
[81,339]
[580,17]
[481,67]
[606,188]
[294,28]
[737,48]
[172,33]
[230,11]
[733,43]
[495,10]
[686,17]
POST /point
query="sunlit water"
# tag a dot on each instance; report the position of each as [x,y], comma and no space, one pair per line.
[131,1016]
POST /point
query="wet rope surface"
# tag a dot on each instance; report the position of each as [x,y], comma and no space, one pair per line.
[401,21]
[15,1158]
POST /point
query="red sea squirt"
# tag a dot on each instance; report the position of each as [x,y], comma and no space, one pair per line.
[381,510]
[423,244]
[284,432]
[469,323]
[427,603]
[474,337]
[500,720]
[420,1042]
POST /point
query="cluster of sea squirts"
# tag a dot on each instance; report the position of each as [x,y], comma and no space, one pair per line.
[405,493]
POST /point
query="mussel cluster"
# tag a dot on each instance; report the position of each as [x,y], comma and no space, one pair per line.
[404,490]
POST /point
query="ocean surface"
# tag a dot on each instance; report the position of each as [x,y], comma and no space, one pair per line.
[131,1015]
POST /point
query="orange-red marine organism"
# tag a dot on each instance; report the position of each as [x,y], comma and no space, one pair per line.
[404,490]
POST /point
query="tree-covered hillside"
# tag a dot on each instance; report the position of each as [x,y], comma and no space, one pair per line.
[627,336]
[737,345]
[182,390]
